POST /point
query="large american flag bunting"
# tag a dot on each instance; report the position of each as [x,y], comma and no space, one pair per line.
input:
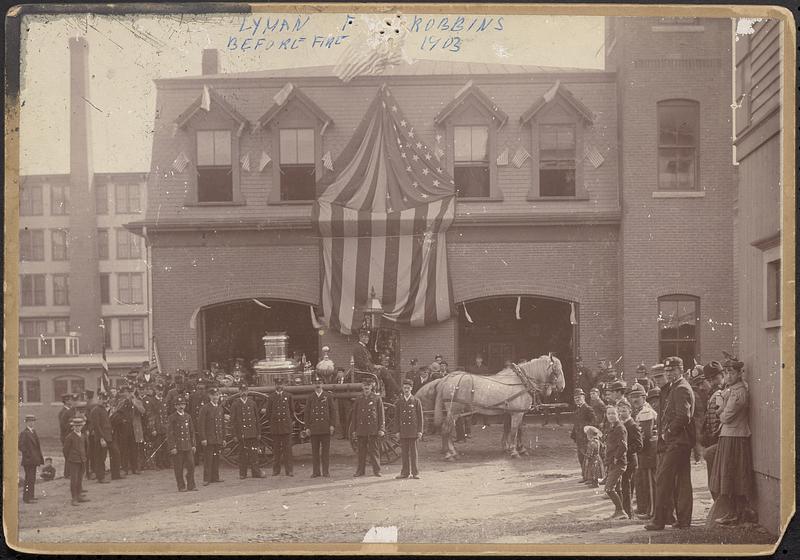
[382,220]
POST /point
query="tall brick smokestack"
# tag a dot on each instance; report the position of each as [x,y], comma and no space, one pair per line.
[84,281]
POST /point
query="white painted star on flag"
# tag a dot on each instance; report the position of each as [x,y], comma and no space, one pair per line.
[419,145]
[402,123]
[425,171]
[438,170]
[438,137]
[428,156]
[415,157]
[435,182]
[394,108]
[415,184]
[424,195]
[408,169]
[411,133]
[403,155]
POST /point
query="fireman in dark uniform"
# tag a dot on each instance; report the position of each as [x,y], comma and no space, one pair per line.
[182,445]
[320,421]
[246,432]
[676,437]
[280,411]
[211,433]
[408,427]
[367,424]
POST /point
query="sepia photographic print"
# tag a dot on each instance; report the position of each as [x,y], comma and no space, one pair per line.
[403,278]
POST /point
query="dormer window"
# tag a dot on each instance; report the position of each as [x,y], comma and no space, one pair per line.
[214,128]
[298,174]
[298,125]
[558,122]
[214,169]
[471,170]
[470,123]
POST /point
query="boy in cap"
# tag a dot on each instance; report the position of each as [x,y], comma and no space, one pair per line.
[634,446]
[31,454]
[644,479]
[182,445]
[584,416]
[246,429]
[408,427]
[48,470]
[75,456]
[616,459]
[320,421]
[593,461]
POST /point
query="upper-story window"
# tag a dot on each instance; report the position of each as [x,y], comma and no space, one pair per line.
[678,144]
[129,285]
[297,162]
[557,164]
[471,170]
[31,245]
[60,245]
[214,166]
[59,200]
[30,200]
[470,123]
[32,290]
[102,244]
[213,130]
[559,122]
[128,245]
[101,198]
[105,289]
[128,198]
[678,327]
[60,289]
[298,125]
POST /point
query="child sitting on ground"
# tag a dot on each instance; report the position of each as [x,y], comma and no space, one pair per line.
[593,463]
[48,470]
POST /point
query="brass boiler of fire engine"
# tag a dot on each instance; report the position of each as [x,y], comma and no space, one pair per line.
[275,363]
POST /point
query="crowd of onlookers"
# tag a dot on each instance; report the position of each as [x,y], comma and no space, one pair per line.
[638,440]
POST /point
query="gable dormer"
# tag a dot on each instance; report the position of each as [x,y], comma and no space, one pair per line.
[558,122]
[469,123]
[297,125]
[212,128]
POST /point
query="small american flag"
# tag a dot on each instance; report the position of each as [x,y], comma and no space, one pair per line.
[327,161]
[281,97]
[264,161]
[520,157]
[180,162]
[594,156]
[502,159]
[246,162]
[205,102]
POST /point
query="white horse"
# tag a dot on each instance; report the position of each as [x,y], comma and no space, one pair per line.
[510,391]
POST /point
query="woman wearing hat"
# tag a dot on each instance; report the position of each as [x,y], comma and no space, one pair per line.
[732,472]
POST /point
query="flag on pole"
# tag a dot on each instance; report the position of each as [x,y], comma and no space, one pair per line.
[519,302]
[382,220]
[180,162]
[502,159]
[155,362]
[205,102]
[327,161]
[368,57]
[594,156]
[314,321]
[264,161]
[573,320]
[105,380]
[246,162]
[466,314]
[520,157]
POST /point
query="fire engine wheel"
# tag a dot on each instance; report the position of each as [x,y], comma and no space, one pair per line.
[389,446]
[232,450]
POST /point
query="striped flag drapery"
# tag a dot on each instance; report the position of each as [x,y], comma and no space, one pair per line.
[105,380]
[382,219]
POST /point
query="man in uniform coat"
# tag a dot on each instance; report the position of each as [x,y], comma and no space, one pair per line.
[211,432]
[182,445]
[280,411]
[362,359]
[676,437]
[102,441]
[197,399]
[367,424]
[65,416]
[31,454]
[246,429]
[179,390]
[75,455]
[584,416]
[320,421]
[585,378]
[408,427]
[645,473]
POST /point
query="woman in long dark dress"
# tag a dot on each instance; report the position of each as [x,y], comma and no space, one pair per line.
[732,473]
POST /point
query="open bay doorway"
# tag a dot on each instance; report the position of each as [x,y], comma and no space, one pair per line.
[234,329]
[544,325]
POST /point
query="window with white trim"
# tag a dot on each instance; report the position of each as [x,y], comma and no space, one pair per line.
[214,166]
[32,290]
[102,244]
[471,168]
[128,245]
[678,144]
[31,245]
[105,288]
[131,333]
[678,327]
[127,197]
[60,245]
[64,385]
[298,176]
[129,287]
[60,289]
[30,391]
[557,160]
[101,198]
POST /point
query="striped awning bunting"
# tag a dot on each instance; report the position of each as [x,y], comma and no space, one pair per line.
[381,220]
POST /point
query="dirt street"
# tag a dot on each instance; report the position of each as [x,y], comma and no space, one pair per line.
[484,497]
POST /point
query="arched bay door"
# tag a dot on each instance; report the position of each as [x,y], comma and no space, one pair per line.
[490,326]
[233,329]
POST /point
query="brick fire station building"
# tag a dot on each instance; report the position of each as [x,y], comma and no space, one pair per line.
[614,238]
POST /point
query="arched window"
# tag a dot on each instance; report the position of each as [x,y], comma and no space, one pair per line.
[678,144]
[679,327]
